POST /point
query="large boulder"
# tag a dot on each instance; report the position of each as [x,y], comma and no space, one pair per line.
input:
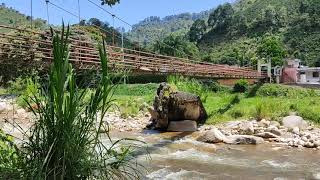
[170,105]
[294,121]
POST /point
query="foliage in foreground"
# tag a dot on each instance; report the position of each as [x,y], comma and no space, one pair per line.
[65,141]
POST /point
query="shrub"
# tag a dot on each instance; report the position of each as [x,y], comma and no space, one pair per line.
[9,159]
[277,90]
[189,85]
[241,86]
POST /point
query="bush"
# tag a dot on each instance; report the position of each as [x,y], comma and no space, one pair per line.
[241,86]
[9,159]
[277,90]
[190,85]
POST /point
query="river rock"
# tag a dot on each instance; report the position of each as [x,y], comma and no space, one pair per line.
[170,105]
[294,121]
[264,123]
[243,139]
[182,126]
[275,124]
[212,136]
[246,128]
[274,130]
[296,130]
[267,135]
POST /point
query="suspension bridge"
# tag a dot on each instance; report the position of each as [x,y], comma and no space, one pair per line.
[84,55]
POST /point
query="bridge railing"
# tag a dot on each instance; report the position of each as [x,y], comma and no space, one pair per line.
[84,55]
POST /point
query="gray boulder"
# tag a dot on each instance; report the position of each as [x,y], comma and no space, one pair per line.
[294,121]
[243,139]
[212,136]
[182,126]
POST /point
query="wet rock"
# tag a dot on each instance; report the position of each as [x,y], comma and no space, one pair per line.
[294,121]
[212,136]
[182,126]
[267,135]
[243,139]
[246,128]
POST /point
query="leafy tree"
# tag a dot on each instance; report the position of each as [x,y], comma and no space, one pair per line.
[176,45]
[197,30]
[240,23]
[95,22]
[221,17]
[272,48]
[110,2]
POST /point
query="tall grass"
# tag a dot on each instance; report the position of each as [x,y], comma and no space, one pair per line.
[64,142]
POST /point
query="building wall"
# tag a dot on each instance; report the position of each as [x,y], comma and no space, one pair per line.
[312,79]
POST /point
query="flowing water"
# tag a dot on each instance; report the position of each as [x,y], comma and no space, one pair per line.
[174,156]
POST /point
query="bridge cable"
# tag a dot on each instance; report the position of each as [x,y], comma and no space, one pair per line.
[31,9]
[47,5]
[69,12]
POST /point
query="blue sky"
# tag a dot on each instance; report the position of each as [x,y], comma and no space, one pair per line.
[131,11]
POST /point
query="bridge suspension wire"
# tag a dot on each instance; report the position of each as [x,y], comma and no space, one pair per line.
[47,5]
[31,12]
[73,14]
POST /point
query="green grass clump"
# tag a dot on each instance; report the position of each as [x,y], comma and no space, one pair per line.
[277,90]
[136,89]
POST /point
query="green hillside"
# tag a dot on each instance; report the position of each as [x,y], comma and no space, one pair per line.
[248,30]
[154,28]
[13,18]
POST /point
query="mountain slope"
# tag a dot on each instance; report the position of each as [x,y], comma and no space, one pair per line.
[154,28]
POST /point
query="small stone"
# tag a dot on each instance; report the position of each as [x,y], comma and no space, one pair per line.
[246,128]
[275,123]
[296,130]
[264,123]
[304,138]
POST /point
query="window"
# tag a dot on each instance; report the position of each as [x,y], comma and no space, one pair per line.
[315,74]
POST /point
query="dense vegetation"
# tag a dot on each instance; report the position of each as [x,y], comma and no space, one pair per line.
[242,32]
[65,141]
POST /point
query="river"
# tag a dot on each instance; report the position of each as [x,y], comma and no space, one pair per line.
[177,156]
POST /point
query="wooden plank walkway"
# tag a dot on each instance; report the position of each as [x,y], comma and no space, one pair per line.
[84,55]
